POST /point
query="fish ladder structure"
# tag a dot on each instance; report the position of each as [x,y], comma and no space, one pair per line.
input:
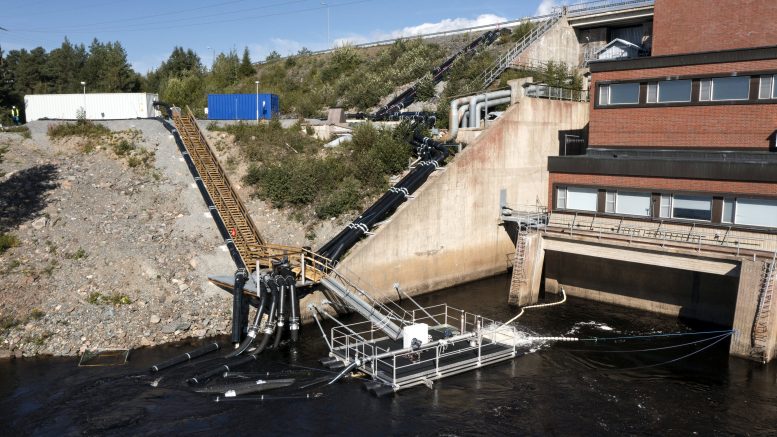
[240,233]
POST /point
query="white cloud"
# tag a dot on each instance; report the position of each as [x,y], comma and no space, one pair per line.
[546,7]
[445,25]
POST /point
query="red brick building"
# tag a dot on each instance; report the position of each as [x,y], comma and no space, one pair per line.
[687,134]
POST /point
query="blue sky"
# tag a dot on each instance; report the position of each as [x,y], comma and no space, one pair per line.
[149,30]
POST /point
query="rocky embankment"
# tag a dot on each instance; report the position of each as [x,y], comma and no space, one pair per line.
[113,247]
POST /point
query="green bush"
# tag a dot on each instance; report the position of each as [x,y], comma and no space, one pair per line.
[8,241]
[333,181]
[346,197]
[81,128]
[123,148]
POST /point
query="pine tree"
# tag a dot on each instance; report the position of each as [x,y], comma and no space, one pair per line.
[246,67]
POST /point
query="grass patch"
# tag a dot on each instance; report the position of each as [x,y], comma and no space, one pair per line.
[36,314]
[78,254]
[8,241]
[97,298]
[123,148]
[24,131]
[7,323]
[50,267]
[81,128]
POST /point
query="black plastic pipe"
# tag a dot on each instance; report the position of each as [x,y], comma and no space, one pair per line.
[208,348]
[294,310]
[239,306]
[281,311]
[226,367]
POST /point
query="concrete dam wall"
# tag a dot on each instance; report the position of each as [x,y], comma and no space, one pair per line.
[449,234]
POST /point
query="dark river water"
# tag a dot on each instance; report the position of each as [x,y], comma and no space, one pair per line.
[602,388]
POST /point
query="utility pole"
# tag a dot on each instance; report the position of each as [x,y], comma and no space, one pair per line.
[328,39]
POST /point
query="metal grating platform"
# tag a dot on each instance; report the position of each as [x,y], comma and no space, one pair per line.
[457,342]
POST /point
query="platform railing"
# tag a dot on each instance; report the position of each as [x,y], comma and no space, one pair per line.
[659,233]
[605,6]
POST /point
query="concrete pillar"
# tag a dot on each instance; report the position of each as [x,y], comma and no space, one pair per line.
[526,278]
[748,295]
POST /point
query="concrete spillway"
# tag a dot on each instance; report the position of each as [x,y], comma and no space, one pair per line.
[448,234]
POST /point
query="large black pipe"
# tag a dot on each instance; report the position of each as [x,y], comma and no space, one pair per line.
[407,97]
[281,311]
[253,331]
[239,306]
[226,367]
[294,310]
[208,348]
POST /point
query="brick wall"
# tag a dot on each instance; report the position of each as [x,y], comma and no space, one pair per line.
[663,184]
[718,126]
[688,26]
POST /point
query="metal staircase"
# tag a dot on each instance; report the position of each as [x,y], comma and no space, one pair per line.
[492,73]
[519,262]
[759,337]
[227,204]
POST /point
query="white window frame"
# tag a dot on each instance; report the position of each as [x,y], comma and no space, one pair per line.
[767,80]
[712,90]
[648,212]
[608,86]
[691,219]
[665,202]
[658,93]
[610,202]
[561,194]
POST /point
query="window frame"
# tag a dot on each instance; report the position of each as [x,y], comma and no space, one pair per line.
[658,91]
[673,217]
[712,89]
[608,93]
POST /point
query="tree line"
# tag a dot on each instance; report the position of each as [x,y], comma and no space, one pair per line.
[181,79]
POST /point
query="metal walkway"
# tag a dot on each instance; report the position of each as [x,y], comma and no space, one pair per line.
[226,203]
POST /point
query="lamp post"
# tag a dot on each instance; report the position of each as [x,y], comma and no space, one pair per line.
[257,101]
[328,39]
[84,85]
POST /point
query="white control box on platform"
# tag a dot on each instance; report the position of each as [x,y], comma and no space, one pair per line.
[419,331]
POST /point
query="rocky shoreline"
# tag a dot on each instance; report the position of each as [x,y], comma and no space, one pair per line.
[111,254]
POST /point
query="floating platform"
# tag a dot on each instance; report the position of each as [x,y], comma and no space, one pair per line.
[455,342]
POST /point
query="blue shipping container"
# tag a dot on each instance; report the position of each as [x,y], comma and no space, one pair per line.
[242,106]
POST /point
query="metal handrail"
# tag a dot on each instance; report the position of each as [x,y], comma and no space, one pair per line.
[543,91]
[605,5]
[490,74]
[659,234]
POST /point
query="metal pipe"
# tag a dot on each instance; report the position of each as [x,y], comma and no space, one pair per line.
[455,117]
[485,104]
[474,117]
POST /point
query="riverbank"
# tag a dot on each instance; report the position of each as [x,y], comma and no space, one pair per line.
[113,243]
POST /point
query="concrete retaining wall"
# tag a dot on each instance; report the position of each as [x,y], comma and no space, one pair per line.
[448,234]
[558,44]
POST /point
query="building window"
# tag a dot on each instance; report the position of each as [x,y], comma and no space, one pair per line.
[666,206]
[766,87]
[692,207]
[652,92]
[756,212]
[728,211]
[609,202]
[724,88]
[670,91]
[633,203]
[619,94]
[577,198]
[582,199]
[561,197]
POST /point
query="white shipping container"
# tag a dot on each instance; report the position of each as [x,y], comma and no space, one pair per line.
[98,106]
